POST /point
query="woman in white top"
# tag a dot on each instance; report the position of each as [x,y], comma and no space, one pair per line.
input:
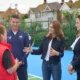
[52,50]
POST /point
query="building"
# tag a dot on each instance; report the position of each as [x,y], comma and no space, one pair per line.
[45,12]
[6,14]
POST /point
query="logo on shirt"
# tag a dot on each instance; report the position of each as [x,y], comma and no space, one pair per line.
[9,37]
[20,36]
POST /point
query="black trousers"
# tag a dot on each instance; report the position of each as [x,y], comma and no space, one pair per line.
[78,75]
[22,72]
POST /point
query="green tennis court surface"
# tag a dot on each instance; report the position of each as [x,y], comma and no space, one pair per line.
[33,77]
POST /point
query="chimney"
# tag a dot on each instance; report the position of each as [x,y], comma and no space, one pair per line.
[16,6]
[62,1]
[10,6]
[45,1]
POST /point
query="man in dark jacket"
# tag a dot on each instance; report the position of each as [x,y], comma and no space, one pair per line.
[19,41]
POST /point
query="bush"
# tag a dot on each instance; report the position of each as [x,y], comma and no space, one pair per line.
[70,31]
[38,37]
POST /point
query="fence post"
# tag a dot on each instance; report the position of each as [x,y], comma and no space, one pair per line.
[48,24]
[31,28]
[70,28]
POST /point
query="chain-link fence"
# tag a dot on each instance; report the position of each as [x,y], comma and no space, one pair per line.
[38,29]
[70,31]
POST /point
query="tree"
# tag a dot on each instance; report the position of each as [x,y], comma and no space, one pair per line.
[69,28]
[25,16]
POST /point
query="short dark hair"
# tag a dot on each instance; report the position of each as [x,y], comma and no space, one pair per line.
[15,16]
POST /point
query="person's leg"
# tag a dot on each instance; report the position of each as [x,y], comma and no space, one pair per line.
[78,75]
[45,71]
[22,73]
[56,71]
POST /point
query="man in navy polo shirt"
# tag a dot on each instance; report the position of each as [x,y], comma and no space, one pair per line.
[19,41]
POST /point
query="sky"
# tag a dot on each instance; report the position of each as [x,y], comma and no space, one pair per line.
[23,5]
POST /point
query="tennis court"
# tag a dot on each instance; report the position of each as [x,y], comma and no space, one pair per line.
[33,77]
[35,64]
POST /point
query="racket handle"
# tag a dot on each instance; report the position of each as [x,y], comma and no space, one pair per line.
[23,58]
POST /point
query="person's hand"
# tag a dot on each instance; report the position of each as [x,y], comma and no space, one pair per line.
[17,62]
[20,63]
[53,52]
[26,50]
[31,50]
[70,69]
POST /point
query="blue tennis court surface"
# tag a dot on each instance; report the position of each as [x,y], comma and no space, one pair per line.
[35,64]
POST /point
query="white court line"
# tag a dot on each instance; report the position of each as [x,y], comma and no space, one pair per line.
[31,78]
[36,76]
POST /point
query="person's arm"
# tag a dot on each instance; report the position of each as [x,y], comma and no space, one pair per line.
[7,62]
[40,50]
[13,69]
[76,58]
[37,51]
[61,53]
[75,62]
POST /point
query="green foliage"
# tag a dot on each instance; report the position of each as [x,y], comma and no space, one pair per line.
[77,4]
[35,27]
[24,26]
[7,25]
[38,37]
[37,32]
[69,29]
[70,34]
[25,16]
[65,14]
[8,18]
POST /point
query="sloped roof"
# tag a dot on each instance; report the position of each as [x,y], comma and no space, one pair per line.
[34,9]
[54,5]
[12,11]
[64,7]
[41,7]
[1,12]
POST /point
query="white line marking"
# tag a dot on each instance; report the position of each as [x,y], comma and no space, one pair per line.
[31,78]
[36,76]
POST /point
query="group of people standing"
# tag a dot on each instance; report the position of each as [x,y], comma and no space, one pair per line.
[14,44]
